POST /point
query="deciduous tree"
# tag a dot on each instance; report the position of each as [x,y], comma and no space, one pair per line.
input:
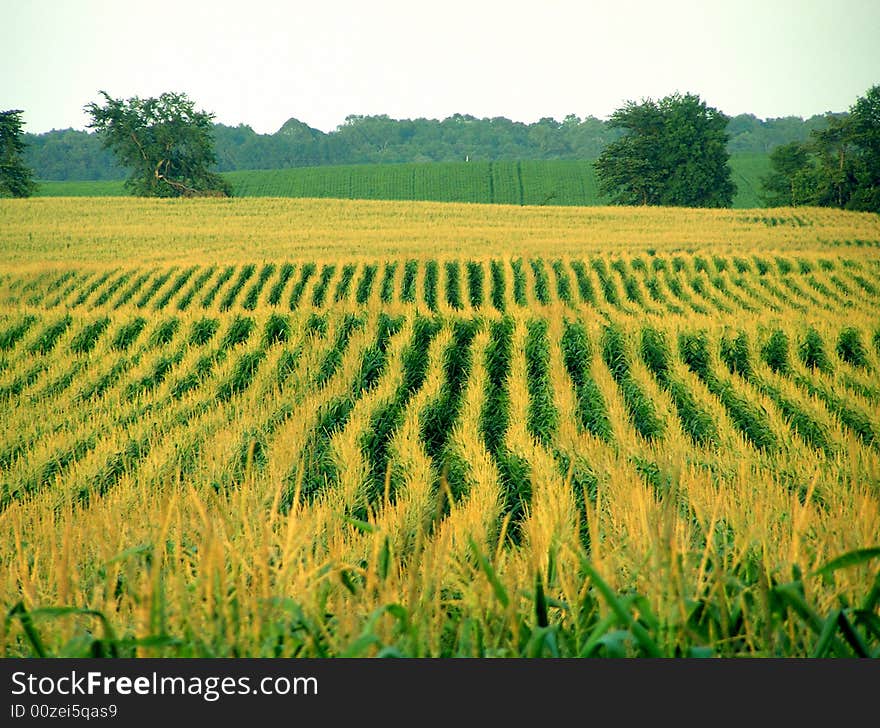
[838,167]
[165,141]
[16,178]
[673,152]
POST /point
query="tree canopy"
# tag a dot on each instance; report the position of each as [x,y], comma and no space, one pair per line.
[838,166]
[166,143]
[16,178]
[673,152]
[71,154]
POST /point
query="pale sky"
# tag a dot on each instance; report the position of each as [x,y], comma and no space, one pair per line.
[259,63]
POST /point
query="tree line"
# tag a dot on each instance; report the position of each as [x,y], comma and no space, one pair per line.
[69,154]
[672,151]
[838,166]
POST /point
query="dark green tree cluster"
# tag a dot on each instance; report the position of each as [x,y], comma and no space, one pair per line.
[673,152]
[164,141]
[838,166]
[72,154]
[16,178]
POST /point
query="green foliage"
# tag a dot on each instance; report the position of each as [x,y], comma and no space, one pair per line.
[839,166]
[164,141]
[746,415]
[585,286]
[792,178]
[224,276]
[203,331]
[242,374]
[49,336]
[851,416]
[84,341]
[277,329]
[453,284]
[519,282]
[408,285]
[851,349]
[499,285]
[244,274]
[386,293]
[77,155]
[438,417]
[320,290]
[385,420]
[160,369]
[305,273]
[577,354]
[333,358]
[431,284]
[494,416]
[11,335]
[344,283]
[640,407]
[159,281]
[608,288]
[475,283]
[250,299]
[110,290]
[734,353]
[284,274]
[164,332]
[812,351]
[239,331]
[673,153]
[16,178]
[550,182]
[542,284]
[775,351]
[543,416]
[178,283]
[563,283]
[365,284]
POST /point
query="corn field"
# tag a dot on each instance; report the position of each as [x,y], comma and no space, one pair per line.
[438,445]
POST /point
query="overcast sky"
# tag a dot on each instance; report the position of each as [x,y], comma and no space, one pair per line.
[260,63]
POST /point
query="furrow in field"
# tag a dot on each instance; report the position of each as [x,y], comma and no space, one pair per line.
[105,295]
[72,284]
[498,279]
[387,284]
[642,412]
[131,291]
[186,298]
[160,280]
[232,292]
[344,284]
[452,286]
[95,284]
[252,296]
[285,273]
[174,288]
[316,471]
[388,417]
[319,292]
[438,416]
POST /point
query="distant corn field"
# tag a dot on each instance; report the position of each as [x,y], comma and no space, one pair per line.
[527,182]
[311,428]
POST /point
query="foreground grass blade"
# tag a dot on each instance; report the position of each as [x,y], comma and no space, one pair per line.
[851,558]
[497,586]
[648,646]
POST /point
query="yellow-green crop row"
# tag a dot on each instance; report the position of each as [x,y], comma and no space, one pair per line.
[491,444]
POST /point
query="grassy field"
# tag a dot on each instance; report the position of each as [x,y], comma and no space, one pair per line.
[329,428]
[513,183]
